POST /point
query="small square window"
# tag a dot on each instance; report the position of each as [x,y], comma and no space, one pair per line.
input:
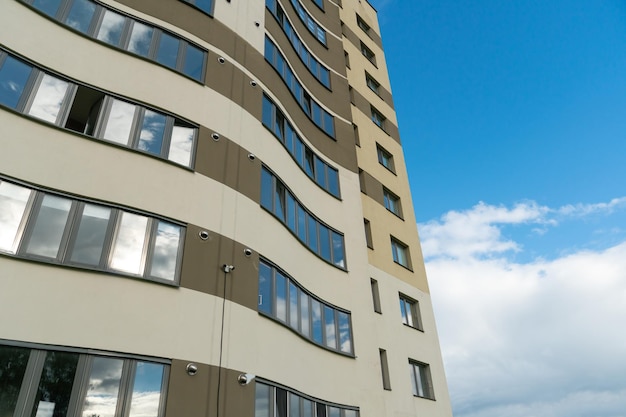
[385,158]
[400,253]
[421,380]
[409,309]
[367,53]
[378,118]
[392,202]
[364,26]
[372,83]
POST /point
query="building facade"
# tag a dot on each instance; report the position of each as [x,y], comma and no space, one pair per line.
[205,211]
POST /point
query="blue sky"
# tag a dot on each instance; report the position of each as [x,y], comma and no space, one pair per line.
[513,121]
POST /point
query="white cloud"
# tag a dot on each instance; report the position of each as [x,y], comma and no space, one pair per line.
[542,338]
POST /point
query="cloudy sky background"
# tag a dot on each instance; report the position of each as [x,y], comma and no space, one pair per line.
[513,120]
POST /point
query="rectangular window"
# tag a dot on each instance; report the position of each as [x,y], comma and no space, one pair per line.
[372,83]
[56,381]
[364,26]
[378,119]
[357,139]
[205,5]
[13,205]
[367,53]
[384,369]
[421,380]
[409,309]
[346,58]
[385,158]
[368,234]
[392,202]
[375,295]
[272,401]
[14,75]
[400,253]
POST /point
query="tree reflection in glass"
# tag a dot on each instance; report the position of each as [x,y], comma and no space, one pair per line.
[13,362]
[55,385]
[91,234]
[129,243]
[49,98]
[49,226]
[111,28]
[152,131]
[165,251]
[104,386]
[120,121]
[181,144]
[146,390]
[13,200]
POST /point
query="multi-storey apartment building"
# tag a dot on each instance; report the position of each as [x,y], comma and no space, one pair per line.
[204,211]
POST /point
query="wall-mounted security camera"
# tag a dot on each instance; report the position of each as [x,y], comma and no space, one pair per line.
[204,235]
[215,136]
[253,83]
[257,24]
[251,156]
[228,268]
[247,251]
[221,60]
[245,379]
[192,369]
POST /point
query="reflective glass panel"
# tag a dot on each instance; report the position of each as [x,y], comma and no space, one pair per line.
[128,247]
[55,385]
[103,388]
[80,15]
[293,305]
[49,7]
[205,5]
[329,126]
[350,413]
[49,226]
[13,361]
[181,144]
[316,320]
[291,212]
[13,77]
[146,390]
[152,131]
[265,288]
[320,172]
[338,250]
[294,405]
[13,200]
[49,98]
[140,39]
[301,217]
[262,401]
[268,108]
[333,412]
[329,328]
[304,314]
[267,189]
[111,28]
[333,181]
[120,122]
[345,338]
[279,201]
[307,408]
[91,234]
[312,228]
[167,51]
[281,297]
[324,242]
[165,255]
[194,62]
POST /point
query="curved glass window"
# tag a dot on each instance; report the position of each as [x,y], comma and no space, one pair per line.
[277,401]
[124,32]
[205,5]
[283,299]
[52,228]
[94,113]
[318,170]
[318,115]
[320,72]
[325,242]
[311,25]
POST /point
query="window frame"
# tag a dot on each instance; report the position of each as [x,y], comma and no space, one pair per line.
[392,202]
[363,25]
[397,247]
[372,84]
[421,378]
[385,158]
[207,12]
[410,312]
[368,54]
[378,118]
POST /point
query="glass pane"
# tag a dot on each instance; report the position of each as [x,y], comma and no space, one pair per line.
[291,212]
[329,126]
[13,361]
[49,7]
[13,77]
[333,181]
[301,215]
[299,152]
[329,328]
[181,144]
[333,412]
[55,386]
[205,5]
[267,189]
[152,131]
[324,242]
[281,297]
[293,306]
[194,62]
[304,314]
[167,52]
[308,162]
[104,386]
[165,255]
[262,401]
[13,200]
[338,250]
[294,405]
[128,247]
[320,172]
[140,39]
[312,228]
[49,98]
[120,122]
[268,108]
[345,337]
[147,390]
[281,403]
[111,28]
[91,234]
[279,201]
[307,408]
[350,413]
[80,15]
[316,316]
[49,226]
[265,288]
